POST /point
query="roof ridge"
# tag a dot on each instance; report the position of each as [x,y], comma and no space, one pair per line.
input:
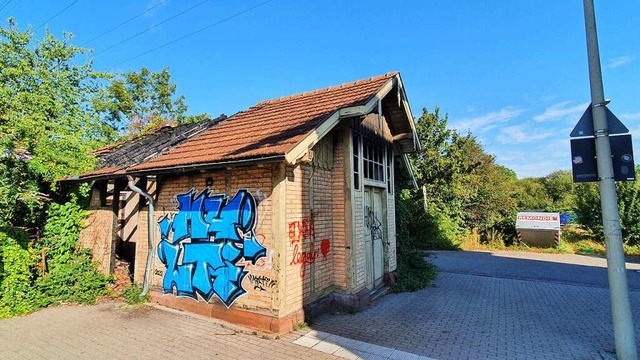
[327,89]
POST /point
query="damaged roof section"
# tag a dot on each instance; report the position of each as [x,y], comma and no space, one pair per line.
[272,130]
[115,159]
[269,128]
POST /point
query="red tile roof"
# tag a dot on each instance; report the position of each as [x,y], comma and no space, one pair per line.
[269,128]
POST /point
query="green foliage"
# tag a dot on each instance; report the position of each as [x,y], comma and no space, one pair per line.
[532,195]
[561,189]
[132,296]
[589,211]
[48,125]
[55,110]
[17,260]
[71,276]
[142,100]
[463,186]
[412,270]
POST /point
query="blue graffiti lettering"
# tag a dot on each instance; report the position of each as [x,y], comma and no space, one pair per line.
[221,232]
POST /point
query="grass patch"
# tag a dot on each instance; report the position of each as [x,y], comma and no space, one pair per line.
[574,240]
[131,295]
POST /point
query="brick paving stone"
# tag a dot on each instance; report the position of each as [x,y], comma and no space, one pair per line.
[111,331]
[483,317]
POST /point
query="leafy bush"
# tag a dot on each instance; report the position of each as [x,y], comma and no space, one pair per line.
[589,212]
[17,260]
[72,276]
[413,272]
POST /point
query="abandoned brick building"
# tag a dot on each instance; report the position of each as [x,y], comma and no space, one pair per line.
[278,212]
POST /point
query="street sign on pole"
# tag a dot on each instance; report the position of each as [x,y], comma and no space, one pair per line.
[583,159]
[623,331]
[584,127]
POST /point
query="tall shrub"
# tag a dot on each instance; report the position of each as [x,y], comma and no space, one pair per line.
[71,274]
[17,259]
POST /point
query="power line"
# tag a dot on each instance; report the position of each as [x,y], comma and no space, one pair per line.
[124,23]
[150,28]
[56,15]
[195,32]
[9,9]
[5,4]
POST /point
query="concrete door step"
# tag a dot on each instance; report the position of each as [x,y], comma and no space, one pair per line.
[378,293]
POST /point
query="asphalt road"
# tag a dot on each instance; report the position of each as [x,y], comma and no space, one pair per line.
[560,268]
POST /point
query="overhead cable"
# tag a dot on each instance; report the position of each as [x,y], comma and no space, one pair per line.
[150,28]
[194,32]
[56,15]
[123,23]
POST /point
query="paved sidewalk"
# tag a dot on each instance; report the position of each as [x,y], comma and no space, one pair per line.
[353,349]
[481,317]
[107,331]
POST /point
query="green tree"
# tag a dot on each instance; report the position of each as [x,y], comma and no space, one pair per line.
[48,124]
[589,211]
[139,100]
[464,187]
[561,188]
[533,195]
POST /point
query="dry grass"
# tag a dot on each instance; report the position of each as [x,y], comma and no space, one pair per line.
[575,240]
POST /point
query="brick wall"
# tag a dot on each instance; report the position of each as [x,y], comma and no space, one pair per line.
[258,181]
[317,250]
[98,234]
[339,189]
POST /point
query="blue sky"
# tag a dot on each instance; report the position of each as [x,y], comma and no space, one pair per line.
[514,73]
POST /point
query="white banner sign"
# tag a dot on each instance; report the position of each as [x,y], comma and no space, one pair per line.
[538,220]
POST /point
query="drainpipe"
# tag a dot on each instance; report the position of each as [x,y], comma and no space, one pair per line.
[150,233]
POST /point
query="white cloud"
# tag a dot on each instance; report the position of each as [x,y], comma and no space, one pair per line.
[619,61]
[518,134]
[630,116]
[540,168]
[488,121]
[561,110]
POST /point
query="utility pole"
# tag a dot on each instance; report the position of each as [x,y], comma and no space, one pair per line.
[622,318]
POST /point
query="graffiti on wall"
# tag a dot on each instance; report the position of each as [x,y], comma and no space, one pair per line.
[302,230]
[262,282]
[204,242]
[373,223]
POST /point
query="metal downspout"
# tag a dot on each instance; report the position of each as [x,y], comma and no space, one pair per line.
[150,233]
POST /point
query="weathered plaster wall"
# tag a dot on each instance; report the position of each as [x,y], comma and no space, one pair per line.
[98,235]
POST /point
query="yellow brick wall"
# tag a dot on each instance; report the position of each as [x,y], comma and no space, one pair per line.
[258,181]
[316,254]
[339,189]
[98,234]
